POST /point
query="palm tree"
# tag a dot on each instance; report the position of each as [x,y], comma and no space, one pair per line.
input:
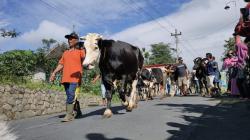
[47,44]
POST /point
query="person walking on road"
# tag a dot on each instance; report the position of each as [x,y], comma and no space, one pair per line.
[181,73]
[217,76]
[211,71]
[71,66]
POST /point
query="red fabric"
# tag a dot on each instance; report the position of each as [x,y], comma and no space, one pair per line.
[243,28]
[248,5]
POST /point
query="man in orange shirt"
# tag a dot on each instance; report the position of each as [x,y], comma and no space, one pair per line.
[71,66]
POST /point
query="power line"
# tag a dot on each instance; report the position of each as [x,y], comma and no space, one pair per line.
[217,29]
[156,20]
[147,14]
[159,13]
[193,51]
[54,8]
[59,10]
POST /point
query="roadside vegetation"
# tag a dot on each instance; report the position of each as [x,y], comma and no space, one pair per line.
[17,67]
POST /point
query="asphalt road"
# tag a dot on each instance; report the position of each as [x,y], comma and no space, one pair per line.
[167,119]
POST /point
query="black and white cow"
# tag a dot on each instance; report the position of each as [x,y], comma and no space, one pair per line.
[157,73]
[117,61]
[145,84]
[153,81]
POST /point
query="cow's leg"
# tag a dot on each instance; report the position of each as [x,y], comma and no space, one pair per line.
[206,86]
[157,89]
[123,90]
[151,90]
[201,87]
[109,92]
[145,94]
[132,99]
[163,91]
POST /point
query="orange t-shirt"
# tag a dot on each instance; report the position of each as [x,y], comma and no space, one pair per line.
[72,65]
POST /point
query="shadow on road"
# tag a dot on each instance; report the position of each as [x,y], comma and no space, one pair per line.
[115,111]
[229,120]
[97,136]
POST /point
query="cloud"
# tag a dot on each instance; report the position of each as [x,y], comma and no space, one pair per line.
[204,26]
[52,19]
[3,22]
[46,30]
[85,15]
[33,38]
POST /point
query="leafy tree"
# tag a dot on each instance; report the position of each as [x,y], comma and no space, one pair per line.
[161,54]
[146,56]
[17,64]
[48,65]
[47,44]
[229,45]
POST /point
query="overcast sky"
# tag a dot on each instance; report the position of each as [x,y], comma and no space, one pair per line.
[204,24]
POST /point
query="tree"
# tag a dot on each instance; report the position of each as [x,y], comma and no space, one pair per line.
[48,65]
[229,45]
[47,44]
[16,64]
[161,54]
[146,56]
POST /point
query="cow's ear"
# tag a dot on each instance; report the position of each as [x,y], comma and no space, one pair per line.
[100,36]
[99,43]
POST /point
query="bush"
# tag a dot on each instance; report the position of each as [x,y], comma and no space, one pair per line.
[16,65]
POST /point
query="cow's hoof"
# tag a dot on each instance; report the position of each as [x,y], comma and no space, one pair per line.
[129,107]
[107,113]
[135,106]
[138,98]
[125,103]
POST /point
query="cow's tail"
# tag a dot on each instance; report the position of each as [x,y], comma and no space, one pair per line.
[140,59]
[140,63]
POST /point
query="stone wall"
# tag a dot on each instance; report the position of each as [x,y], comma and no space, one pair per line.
[18,103]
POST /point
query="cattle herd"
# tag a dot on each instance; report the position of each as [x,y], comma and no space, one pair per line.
[122,63]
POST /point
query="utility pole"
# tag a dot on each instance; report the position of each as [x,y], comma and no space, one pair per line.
[176,34]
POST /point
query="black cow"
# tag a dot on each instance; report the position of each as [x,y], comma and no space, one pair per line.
[117,61]
[200,68]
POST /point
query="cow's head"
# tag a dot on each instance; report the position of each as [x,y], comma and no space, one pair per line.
[197,62]
[91,46]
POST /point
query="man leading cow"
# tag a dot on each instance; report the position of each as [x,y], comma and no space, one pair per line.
[71,66]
